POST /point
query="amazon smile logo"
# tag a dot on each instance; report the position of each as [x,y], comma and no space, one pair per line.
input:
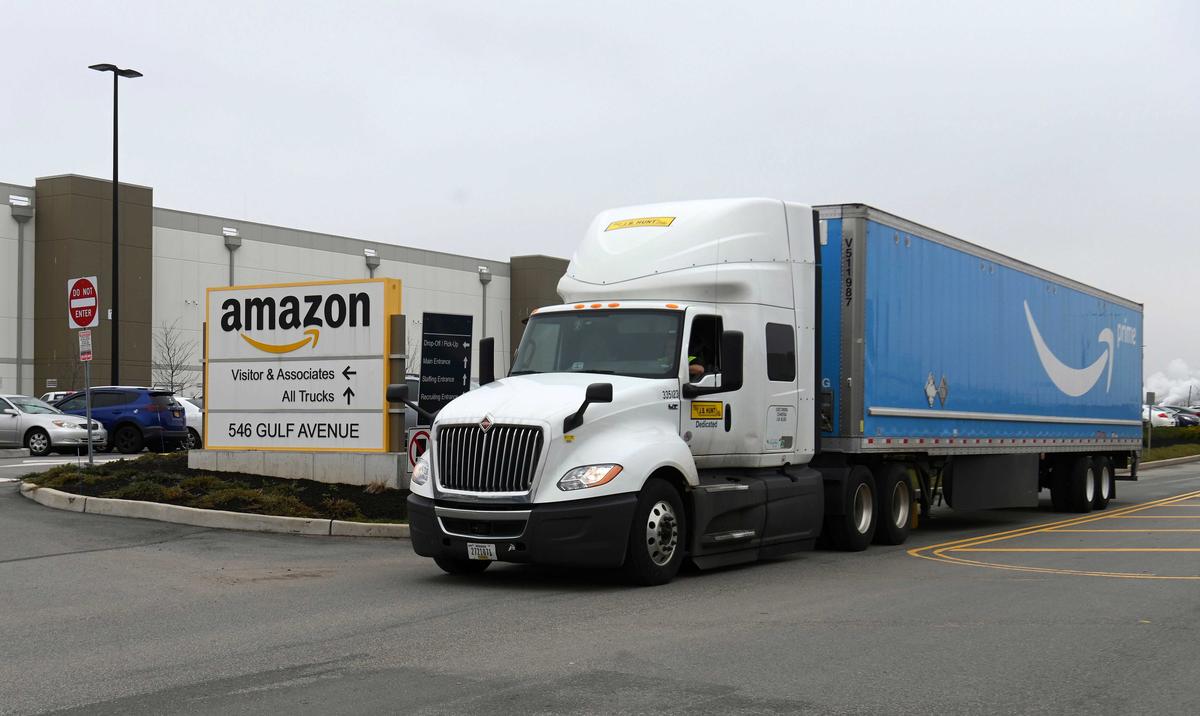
[1077,381]
[310,312]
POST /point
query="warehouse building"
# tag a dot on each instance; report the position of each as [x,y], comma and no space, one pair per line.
[61,228]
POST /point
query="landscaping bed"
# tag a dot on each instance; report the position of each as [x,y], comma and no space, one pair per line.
[167,478]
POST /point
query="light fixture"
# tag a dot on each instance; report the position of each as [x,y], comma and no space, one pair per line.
[371,256]
[18,200]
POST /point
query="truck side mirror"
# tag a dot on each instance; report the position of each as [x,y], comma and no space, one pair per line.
[487,361]
[731,368]
[398,393]
[596,393]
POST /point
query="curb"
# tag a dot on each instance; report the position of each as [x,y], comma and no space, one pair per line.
[217,519]
[14,452]
[1162,463]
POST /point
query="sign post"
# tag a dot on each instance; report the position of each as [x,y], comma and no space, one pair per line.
[83,312]
[445,359]
[85,355]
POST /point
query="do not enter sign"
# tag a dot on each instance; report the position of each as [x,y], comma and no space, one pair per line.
[83,302]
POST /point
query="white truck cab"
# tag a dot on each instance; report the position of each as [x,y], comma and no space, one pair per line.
[664,410]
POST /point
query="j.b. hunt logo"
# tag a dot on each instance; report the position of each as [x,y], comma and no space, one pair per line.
[310,312]
[1078,381]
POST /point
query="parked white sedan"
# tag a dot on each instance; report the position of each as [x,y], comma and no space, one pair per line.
[28,422]
[1158,416]
[193,413]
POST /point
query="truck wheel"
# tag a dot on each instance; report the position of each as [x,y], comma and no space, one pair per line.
[462,566]
[894,505]
[1106,480]
[656,538]
[853,531]
[1081,484]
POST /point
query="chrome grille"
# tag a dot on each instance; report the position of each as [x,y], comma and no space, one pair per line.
[502,459]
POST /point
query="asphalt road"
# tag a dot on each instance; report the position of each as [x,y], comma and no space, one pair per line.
[108,615]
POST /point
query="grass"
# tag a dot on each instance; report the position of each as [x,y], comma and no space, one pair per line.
[1170,451]
[167,478]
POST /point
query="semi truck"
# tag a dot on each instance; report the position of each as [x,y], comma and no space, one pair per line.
[729,380]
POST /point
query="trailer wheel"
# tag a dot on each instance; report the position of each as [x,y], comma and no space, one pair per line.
[461,566]
[1081,484]
[657,536]
[894,505]
[853,530]
[1106,480]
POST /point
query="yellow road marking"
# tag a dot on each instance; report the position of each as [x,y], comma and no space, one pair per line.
[1131,529]
[1078,549]
[938,552]
[1157,517]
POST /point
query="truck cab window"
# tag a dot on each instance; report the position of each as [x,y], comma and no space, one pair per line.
[781,352]
[632,342]
[704,348]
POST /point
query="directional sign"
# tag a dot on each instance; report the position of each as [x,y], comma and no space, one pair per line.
[85,345]
[445,359]
[299,366]
[83,302]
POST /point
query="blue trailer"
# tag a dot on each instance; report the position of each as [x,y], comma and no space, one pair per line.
[935,347]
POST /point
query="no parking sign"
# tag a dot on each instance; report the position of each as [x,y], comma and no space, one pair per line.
[418,443]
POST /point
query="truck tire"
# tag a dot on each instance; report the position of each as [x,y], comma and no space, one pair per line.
[1106,482]
[1081,484]
[657,536]
[854,530]
[462,566]
[893,505]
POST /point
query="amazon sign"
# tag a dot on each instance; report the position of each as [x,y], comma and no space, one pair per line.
[299,366]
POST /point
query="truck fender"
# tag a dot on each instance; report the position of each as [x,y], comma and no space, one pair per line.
[835,492]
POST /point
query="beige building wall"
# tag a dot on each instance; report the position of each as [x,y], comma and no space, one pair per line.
[74,238]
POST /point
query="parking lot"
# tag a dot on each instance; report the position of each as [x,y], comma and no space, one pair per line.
[1003,611]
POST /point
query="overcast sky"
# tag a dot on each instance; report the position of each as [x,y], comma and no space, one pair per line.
[1062,135]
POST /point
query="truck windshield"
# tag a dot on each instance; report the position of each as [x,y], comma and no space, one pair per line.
[642,344]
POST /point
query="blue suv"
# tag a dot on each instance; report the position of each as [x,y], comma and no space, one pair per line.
[134,417]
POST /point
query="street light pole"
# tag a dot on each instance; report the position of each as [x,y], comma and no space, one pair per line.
[118,73]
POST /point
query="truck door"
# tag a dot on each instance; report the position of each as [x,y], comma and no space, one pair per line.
[706,421]
[779,427]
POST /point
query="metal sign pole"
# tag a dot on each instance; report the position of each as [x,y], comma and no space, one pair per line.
[87,392]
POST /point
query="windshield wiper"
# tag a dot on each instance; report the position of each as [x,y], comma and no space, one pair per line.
[523,372]
[594,370]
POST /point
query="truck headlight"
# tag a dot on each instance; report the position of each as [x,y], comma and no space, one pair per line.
[588,476]
[420,473]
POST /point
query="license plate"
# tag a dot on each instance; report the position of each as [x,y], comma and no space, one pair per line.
[477,550]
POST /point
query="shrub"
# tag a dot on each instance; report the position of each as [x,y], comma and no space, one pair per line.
[1175,436]
[148,491]
[200,484]
[340,508]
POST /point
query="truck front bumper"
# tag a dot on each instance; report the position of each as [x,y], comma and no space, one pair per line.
[586,533]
